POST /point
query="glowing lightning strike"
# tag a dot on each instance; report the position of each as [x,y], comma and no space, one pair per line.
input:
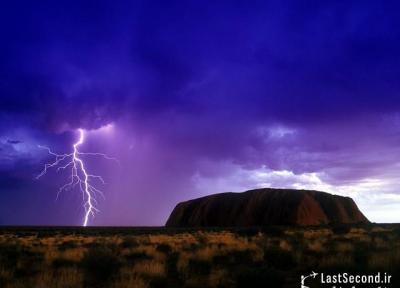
[88,204]
[79,175]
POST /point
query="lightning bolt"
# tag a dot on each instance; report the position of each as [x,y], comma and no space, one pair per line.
[79,175]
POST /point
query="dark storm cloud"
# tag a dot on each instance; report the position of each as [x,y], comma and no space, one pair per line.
[304,87]
[86,65]
[14,142]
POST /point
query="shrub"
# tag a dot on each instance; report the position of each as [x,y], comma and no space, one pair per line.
[9,254]
[234,258]
[259,277]
[279,259]
[171,265]
[248,231]
[360,256]
[157,282]
[197,267]
[273,231]
[341,229]
[62,262]
[67,245]
[25,262]
[193,247]
[241,256]
[129,242]
[222,260]
[99,265]
[164,248]
[137,256]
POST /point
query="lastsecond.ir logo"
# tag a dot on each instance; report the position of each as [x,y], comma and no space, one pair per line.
[303,279]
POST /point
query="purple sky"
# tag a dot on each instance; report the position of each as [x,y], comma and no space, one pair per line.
[199,98]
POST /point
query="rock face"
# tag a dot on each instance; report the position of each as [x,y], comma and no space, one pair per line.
[266,207]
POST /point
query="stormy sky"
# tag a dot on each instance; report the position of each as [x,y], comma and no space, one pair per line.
[198,97]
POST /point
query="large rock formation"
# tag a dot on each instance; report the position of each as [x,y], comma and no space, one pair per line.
[266,207]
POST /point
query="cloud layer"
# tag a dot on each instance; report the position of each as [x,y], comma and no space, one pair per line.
[305,93]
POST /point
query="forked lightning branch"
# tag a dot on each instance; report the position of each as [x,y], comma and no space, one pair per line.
[80,177]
